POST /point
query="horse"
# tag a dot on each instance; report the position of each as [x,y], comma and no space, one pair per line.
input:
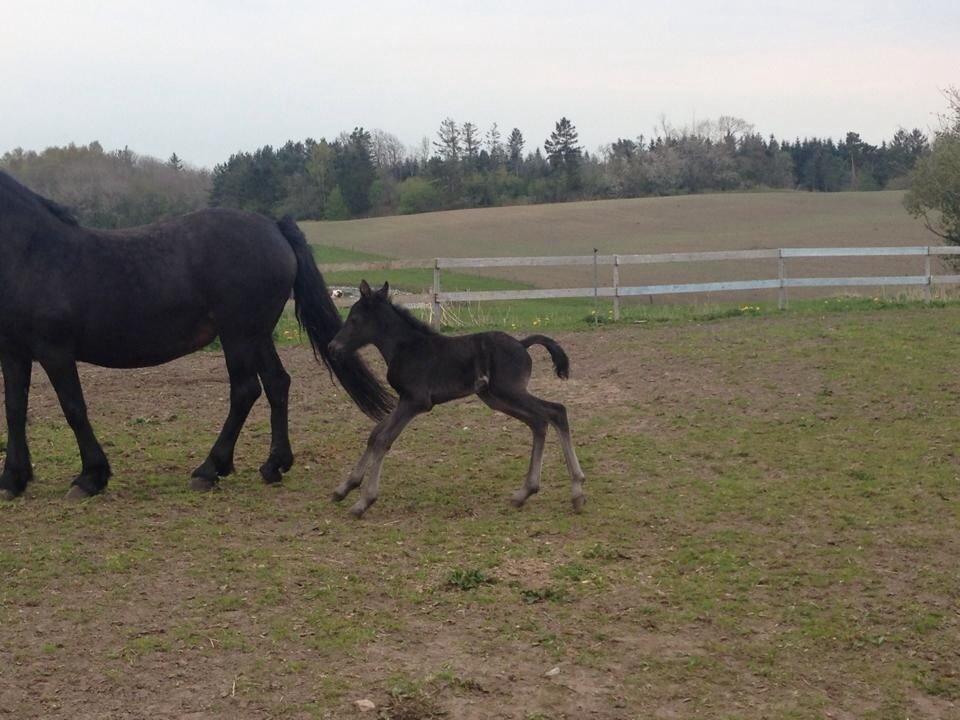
[143,296]
[427,369]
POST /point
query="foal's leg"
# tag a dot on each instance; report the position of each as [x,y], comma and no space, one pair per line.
[276,382]
[355,479]
[95,470]
[534,417]
[378,445]
[17,471]
[244,390]
[558,418]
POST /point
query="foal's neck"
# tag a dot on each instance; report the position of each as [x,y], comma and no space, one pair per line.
[397,332]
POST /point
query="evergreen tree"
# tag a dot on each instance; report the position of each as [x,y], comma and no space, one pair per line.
[448,166]
[495,147]
[175,162]
[564,153]
[563,150]
[471,146]
[515,145]
[448,144]
[355,171]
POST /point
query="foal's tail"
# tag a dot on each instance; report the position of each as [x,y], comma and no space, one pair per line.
[317,314]
[561,363]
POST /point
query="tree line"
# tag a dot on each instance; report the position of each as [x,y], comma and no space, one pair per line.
[371,172]
[111,189]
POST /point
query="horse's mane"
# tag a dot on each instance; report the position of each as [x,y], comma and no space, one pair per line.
[412,320]
[8,185]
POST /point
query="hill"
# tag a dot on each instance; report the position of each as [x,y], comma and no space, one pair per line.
[689,222]
[647,225]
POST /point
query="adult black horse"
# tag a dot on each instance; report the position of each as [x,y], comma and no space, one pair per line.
[144,296]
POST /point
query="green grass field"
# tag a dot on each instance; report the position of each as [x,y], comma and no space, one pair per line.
[772,531]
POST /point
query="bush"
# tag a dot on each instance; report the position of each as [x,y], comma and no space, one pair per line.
[417,195]
[336,208]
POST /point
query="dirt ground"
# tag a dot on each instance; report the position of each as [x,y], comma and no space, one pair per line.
[763,539]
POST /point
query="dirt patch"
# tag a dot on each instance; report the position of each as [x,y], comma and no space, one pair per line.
[755,544]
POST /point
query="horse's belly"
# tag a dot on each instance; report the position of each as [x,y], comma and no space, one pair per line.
[133,347]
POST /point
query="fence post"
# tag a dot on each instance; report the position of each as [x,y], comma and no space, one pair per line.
[435,307]
[782,291]
[596,318]
[616,288]
[928,288]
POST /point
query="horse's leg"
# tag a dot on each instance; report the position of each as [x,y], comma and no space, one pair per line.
[533,416]
[381,439]
[245,388]
[276,383]
[95,470]
[557,414]
[17,470]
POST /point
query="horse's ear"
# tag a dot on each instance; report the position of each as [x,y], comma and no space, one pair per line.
[364,289]
[384,291]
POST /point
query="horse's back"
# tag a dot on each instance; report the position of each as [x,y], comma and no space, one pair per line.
[148,294]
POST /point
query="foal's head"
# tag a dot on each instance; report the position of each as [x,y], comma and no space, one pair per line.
[365,321]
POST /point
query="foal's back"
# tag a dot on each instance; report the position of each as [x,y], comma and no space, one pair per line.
[444,368]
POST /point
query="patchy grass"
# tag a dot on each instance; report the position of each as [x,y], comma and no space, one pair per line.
[772,530]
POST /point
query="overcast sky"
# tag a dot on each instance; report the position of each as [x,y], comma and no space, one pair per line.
[207,78]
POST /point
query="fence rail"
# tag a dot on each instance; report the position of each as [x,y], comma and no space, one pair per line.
[435,299]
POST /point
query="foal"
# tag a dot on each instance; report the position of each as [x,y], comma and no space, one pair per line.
[427,369]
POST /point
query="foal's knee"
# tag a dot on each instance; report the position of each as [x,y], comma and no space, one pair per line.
[558,416]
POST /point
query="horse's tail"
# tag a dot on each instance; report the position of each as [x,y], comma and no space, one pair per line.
[561,363]
[317,314]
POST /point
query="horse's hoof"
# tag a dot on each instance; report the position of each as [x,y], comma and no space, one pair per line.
[202,484]
[76,494]
[271,474]
[7,495]
[578,502]
[337,496]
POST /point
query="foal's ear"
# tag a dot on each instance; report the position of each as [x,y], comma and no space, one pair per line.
[384,291]
[364,289]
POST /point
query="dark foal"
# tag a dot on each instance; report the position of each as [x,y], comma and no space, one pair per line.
[427,369]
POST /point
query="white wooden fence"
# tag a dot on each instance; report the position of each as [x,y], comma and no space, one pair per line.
[435,299]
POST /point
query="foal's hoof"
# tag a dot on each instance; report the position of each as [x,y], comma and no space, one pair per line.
[520,497]
[202,484]
[7,495]
[578,502]
[337,496]
[76,494]
[360,508]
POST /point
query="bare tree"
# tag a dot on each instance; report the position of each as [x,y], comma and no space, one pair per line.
[386,150]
